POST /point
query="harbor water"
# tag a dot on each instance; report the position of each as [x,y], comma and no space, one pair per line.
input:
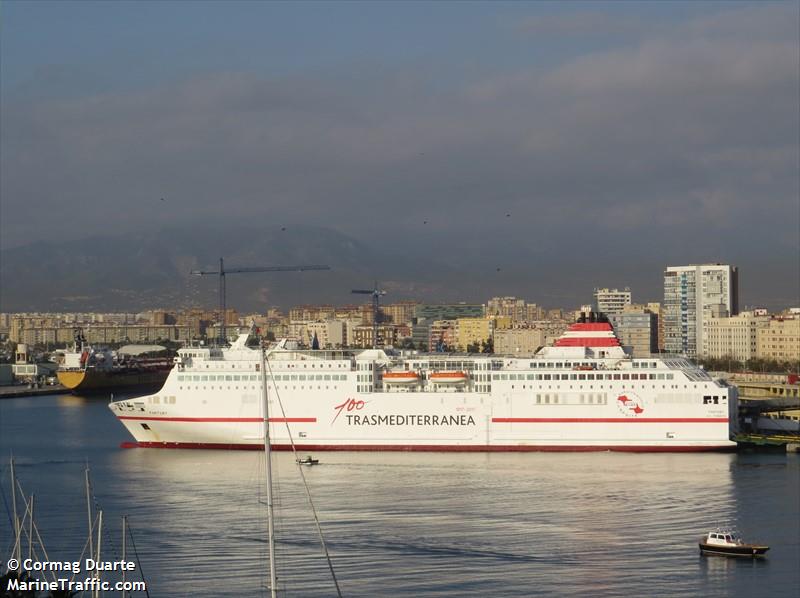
[406,524]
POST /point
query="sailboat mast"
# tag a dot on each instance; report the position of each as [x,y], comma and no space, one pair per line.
[273,579]
[89,507]
[16,552]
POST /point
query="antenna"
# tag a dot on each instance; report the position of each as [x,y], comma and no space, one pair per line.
[376,295]
[222,292]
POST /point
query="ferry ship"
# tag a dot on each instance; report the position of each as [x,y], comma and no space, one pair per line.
[585,393]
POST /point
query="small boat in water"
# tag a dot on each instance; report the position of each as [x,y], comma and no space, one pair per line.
[308,461]
[728,543]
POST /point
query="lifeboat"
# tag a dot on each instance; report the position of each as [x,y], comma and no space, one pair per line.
[400,378]
[449,377]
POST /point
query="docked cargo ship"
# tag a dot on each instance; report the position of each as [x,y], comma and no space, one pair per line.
[87,369]
[583,394]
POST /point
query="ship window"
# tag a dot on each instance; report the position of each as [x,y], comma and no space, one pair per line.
[530,377]
[616,376]
[180,378]
[547,399]
[660,376]
[558,365]
[538,399]
[635,364]
[670,376]
[590,376]
[504,376]
[652,376]
[546,376]
[581,376]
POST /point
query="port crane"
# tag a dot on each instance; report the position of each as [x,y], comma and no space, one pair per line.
[222,272]
[376,295]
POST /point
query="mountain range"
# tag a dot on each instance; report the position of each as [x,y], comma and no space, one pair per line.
[140,271]
[149,270]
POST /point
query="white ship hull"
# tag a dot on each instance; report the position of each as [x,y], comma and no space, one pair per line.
[339,404]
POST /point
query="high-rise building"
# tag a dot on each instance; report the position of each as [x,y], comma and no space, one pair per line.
[691,294]
[637,329]
[654,307]
[611,301]
[512,307]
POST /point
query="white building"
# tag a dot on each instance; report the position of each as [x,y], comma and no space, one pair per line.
[330,333]
[611,301]
[691,294]
[735,337]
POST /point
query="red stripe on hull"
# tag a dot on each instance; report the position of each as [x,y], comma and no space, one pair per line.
[433,448]
[277,420]
[609,420]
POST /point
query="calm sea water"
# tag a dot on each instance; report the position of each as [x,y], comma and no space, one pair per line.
[421,524]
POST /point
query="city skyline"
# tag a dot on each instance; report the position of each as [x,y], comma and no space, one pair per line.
[524,146]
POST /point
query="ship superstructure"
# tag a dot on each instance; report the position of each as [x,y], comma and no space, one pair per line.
[584,393]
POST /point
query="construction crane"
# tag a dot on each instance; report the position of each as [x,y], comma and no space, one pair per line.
[376,295]
[222,272]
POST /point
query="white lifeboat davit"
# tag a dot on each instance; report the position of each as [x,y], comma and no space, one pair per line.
[400,378]
[449,377]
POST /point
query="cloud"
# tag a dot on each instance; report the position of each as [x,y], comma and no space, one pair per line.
[581,24]
[688,133]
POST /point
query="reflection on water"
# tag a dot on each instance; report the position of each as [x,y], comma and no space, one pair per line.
[517,524]
[71,401]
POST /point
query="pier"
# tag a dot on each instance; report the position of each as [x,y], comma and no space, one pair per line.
[23,390]
[769,416]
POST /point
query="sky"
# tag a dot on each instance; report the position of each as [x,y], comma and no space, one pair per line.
[624,135]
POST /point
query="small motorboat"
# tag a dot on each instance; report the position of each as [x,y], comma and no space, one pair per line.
[308,461]
[728,543]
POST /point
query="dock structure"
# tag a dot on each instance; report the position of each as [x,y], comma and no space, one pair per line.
[24,390]
[769,417]
[768,442]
